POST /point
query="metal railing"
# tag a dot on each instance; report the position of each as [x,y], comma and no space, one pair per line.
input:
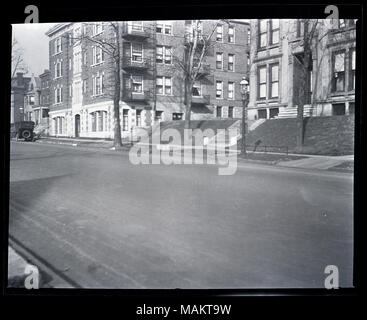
[130,95]
[267,148]
[205,99]
[129,63]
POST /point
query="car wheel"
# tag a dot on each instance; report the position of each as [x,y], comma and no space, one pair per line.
[26,134]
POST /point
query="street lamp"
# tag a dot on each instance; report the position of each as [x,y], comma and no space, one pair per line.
[244,93]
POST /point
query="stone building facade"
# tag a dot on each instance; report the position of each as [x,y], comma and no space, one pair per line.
[152,87]
[276,65]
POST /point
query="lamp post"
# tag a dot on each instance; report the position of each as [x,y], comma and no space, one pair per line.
[244,93]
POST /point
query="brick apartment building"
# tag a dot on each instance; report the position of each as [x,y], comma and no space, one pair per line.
[19,87]
[275,66]
[152,83]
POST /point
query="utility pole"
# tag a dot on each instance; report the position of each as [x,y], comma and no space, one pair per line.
[245,97]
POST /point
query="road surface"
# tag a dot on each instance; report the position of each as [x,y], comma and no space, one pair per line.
[102,222]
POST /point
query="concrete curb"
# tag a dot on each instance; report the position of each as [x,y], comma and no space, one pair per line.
[48,276]
[16,269]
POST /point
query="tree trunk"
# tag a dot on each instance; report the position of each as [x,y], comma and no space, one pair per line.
[116,111]
[304,89]
[188,93]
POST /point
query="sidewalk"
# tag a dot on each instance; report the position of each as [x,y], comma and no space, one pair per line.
[317,162]
[305,161]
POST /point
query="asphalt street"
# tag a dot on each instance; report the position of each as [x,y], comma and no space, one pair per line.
[106,223]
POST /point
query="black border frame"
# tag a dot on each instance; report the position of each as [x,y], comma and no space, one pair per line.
[64,12]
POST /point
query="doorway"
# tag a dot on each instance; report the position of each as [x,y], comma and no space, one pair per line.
[77,125]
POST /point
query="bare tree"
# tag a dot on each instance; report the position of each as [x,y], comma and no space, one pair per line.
[305,62]
[111,46]
[17,59]
[197,46]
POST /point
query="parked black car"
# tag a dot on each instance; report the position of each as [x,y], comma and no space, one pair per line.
[22,130]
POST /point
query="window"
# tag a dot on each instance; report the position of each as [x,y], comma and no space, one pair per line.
[137,25]
[159,115]
[159,55]
[97,28]
[230,112]
[138,118]
[341,23]
[167,55]
[168,86]
[231,34]
[273,112]
[352,69]
[300,28]
[57,44]
[98,56]
[164,27]
[77,62]
[58,69]
[99,121]
[70,90]
[164,85]
[94,121]
[58,125]
[338,71]
[261,75]
[97,85]
[231,90]
[177,116]
[167,28]
[248,37]
[263,37]
[219,61]
[193,30]
[196,89]
[274,31]
[164,55]
[230,62]
[137,83]
[219,90]
[137,52]
[219,37]
[58,95]
[262,114]
[219,112]
[338,109]
[274,80]
[125,120]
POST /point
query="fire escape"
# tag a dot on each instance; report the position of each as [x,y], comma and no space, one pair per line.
[135,64]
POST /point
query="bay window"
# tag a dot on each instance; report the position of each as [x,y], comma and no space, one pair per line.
[338,79]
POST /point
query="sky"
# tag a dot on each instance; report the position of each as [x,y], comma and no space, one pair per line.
[32,39]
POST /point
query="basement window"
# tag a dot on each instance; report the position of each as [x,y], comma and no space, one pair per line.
[262,114]
[273,112]
[338,109]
